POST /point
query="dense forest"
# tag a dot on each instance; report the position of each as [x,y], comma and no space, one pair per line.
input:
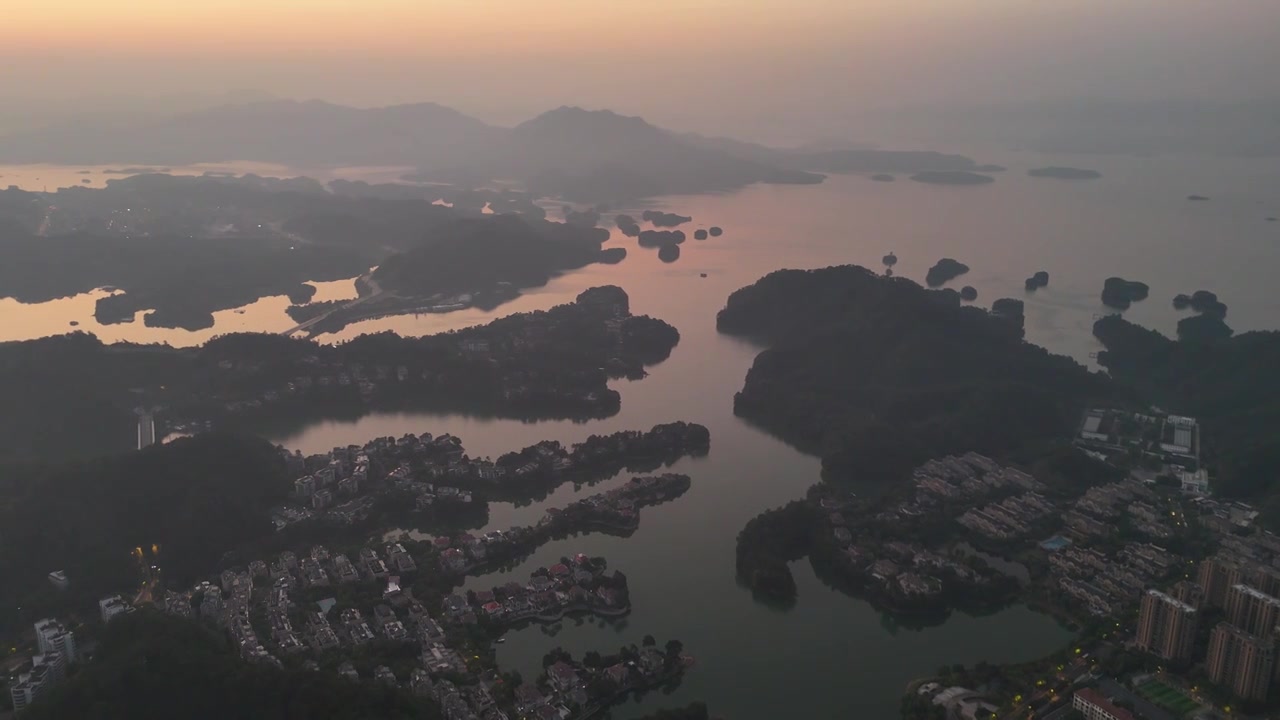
[185,281]
[74,396]
[184,504]
[1229,384]
[877,374]
[476,254]
[150,666]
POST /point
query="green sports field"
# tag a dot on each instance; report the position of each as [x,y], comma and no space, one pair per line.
[1167,697]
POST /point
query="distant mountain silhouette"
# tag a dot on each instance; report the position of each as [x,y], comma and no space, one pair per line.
[577,154]
[282,131]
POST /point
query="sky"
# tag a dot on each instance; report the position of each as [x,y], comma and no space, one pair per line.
[746,67]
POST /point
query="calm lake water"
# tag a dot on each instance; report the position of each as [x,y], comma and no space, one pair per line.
[831,656]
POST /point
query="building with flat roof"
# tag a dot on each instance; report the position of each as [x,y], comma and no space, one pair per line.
[1252,610]
[1240,661]
[1096,706]
[1216,575]
[1166,626]
[52,636]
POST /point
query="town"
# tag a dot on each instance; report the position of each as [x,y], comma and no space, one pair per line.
[388,611]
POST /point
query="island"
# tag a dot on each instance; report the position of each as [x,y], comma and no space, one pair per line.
[669,253]
[664,219]
[699,234]
[627,225]
[883,177]
[1207,303]
[944,271]
[866,350]
[181,248]
[952,177]
[1198,198]
[968,293]
[554,363]
[715,231]
[388,611]
[1037,281]
[1064,173]
[1119,293]
[661,238]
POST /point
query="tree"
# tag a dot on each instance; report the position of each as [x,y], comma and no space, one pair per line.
[650,641]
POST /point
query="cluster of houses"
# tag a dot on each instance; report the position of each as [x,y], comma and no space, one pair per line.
[230,604]
[573,585]
[900,569]
[1011,518]
[1105,584]
[617,509]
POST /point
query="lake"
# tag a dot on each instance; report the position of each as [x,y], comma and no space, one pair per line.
[832,655]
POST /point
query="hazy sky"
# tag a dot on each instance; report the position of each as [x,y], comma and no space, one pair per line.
[745,66]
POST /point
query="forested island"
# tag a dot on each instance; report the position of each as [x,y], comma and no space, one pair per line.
[852,374]
[186,247]
[1064,173]
[664,219]
[1120,293]
[952,177]
[944,271]
[73,394]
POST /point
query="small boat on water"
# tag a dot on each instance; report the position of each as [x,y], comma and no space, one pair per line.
[500,640]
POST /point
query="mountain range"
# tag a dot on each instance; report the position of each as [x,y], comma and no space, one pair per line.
[583,155]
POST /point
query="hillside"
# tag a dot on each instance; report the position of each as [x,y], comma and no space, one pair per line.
[193,499]
[280,131]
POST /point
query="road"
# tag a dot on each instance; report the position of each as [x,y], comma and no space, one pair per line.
[375,291]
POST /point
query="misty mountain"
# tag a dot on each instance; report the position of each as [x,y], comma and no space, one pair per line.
[282,131]
[581,155]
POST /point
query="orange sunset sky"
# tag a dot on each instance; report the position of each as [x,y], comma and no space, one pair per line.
[505,59]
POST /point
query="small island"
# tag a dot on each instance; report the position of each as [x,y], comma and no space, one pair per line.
[716,231]
[1119,293]
[699,234]
[944,271]
[612,256]
[1197,198]
[883,177]
[889,260]
[1037,281]
[664,219]
[661,238]
[968,293]
[669,253]
[952,177]
[627,225]
[1064,173]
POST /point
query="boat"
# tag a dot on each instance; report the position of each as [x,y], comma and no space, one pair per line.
[500,640]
